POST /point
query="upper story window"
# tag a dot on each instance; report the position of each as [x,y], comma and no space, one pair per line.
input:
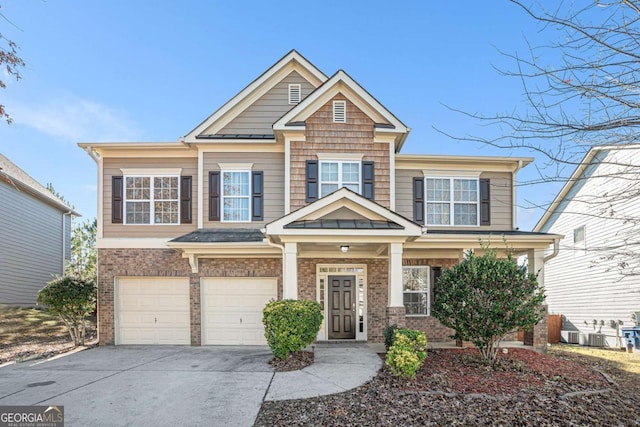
[152,199]
[578,236]
[452,201]
[236,196]
[339,111]
[337,174]
[295,93]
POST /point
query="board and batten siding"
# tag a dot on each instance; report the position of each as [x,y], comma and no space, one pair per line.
[112,166]
[31,245]
[260,116]
[272,164]
[577,283]
[501,196]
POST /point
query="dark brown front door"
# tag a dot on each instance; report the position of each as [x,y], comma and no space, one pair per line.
[342,307]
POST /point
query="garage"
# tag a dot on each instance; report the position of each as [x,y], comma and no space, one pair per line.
[232,309]
[153,310]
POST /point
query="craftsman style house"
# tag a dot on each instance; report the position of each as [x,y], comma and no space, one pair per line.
[295,188]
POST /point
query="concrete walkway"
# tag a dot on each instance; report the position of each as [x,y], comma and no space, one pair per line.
[174,385]
[336,368]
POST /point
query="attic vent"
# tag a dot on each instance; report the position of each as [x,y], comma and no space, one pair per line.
[294,93]
[339,111]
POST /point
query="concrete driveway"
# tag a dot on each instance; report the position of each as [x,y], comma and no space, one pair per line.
[139,386]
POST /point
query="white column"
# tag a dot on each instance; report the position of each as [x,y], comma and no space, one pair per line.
[536,263]
[395,275]
[290,273]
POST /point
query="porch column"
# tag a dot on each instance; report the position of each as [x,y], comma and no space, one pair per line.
[395,307]
[290,273]
[536,266]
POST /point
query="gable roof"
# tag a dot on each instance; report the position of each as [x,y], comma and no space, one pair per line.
[341,82]
[309,218]
[579,176]
[13,175]
[290,62]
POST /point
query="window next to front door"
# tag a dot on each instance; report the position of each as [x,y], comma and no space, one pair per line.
[417,296]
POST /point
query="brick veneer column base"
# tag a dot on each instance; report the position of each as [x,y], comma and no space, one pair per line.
[396,316]
[540,332]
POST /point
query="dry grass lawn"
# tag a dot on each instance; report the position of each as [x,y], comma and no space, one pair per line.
[27,333]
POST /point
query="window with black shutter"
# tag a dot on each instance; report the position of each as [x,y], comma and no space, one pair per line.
[214,196]
[368,180]
[117,200]
[311,177]
[257,196]
[185,200]
[485,202]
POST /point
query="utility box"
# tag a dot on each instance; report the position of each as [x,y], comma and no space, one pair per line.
[631,338]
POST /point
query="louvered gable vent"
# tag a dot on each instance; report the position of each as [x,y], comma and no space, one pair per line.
[339,111]
[294,93]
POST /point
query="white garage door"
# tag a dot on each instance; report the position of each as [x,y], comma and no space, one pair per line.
[153,310]
[232,309]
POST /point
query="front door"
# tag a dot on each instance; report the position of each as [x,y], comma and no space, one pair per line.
[342,307]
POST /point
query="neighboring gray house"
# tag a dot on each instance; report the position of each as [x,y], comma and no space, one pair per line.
[36,235]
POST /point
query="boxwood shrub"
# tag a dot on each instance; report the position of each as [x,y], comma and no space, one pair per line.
[407,353]
[291,325]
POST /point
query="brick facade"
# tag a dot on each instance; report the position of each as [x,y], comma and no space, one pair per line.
[324,136]
[114,263]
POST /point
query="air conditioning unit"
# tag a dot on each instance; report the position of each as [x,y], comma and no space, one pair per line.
[597,340]
[570,337]
[583,339]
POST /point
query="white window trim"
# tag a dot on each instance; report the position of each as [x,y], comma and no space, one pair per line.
[151,171]
[151,200]
[292,85]
[344,105]
[223,197]
[340,181]
[428,291]
[451,201]
[355,157]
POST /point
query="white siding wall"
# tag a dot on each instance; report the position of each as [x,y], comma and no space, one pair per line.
[577,282]
[30,246]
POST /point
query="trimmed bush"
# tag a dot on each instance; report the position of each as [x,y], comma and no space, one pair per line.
[407,353]
[291,325]
[73,299]
[389,334]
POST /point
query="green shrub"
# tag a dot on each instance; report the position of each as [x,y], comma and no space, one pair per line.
[389,334]
[73,299]
[291,325]
[485,297]
[407,353]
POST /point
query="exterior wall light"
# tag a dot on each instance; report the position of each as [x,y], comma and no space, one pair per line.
[344,248]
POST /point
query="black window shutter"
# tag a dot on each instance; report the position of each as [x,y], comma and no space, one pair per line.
[485,202]
[185,199]
[436,272]
[117,201]
[257,196]
[311,187]
[418,200]
[368,180]
[214,196]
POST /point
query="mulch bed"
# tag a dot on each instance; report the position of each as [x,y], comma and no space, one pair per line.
[293,362]
[455,388]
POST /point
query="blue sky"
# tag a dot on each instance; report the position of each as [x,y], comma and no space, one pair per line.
[151,71]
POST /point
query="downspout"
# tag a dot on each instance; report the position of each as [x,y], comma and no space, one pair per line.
[64,240]
[281,247]
[556,250]
[92,154]
[514,190]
